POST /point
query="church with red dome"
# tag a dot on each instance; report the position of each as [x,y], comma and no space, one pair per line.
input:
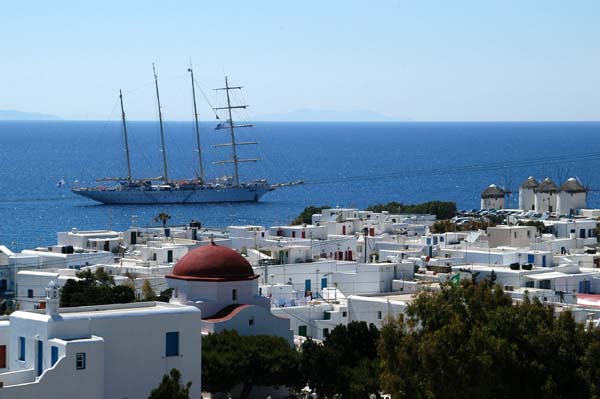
[222,284]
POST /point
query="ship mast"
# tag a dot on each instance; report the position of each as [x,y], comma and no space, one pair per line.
[229,124]
[126,139]
[201,177]
[162,133]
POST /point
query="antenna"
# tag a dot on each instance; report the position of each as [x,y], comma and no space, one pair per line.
[162,133]
[201,176]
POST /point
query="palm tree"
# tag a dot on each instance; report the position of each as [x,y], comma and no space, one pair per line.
[163,217]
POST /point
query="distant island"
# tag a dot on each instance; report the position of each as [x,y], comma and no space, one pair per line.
[12,115]
[319,115]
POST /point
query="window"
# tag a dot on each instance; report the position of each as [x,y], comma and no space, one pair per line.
[307,285]
[344,314]
[54,355]
[22,349]
[530,258]
[172,344]
[302,331]
[251,321]
[326,332]
[2,356]
[379,315]
[234,294]
[30,293]
[80,361]
[528,233]
[545,284]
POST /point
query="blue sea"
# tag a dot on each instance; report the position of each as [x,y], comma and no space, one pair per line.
[343,164]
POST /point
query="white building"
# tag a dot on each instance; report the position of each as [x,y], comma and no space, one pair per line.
[572,196]
[546,198]
[221,283]
[97,352]
[32,284]
[527,194]
[317,319]
[104,240]
[511,236]
[10,264]
[492,197]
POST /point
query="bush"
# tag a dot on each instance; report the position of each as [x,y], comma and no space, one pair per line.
[171,387]
[305,216]
[441,209]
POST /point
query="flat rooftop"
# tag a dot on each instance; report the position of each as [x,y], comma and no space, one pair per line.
[113,310]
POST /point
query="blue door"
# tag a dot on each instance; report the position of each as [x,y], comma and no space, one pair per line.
[324,283]
[54,355]
[307,285]
[584,287]
[40,357]
[530,258]
[543,260]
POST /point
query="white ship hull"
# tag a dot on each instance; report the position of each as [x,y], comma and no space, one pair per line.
[173,196]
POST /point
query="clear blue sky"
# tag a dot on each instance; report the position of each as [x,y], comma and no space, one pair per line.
[424,60]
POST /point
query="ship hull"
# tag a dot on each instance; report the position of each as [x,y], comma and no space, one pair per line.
[174,196]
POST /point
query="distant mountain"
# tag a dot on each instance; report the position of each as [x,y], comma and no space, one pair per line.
[11,115]
[320,115]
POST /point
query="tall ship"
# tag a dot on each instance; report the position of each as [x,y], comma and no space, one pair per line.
[163,190]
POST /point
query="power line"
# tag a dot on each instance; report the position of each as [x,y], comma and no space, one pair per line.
[464,168]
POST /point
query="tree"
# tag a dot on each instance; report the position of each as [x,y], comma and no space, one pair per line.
[346,363]
[147,291]
[97,288]
[305,216]
[171,387]
[470,341]
[492,278]
[163,218]
[230,360]
[165,295]
[441,209]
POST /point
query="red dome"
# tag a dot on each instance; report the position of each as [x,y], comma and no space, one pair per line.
[213,263]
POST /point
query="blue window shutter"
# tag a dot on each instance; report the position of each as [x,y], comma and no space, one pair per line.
[54,355]
[324,283]
[307,285]
[530,258]
[172,344]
